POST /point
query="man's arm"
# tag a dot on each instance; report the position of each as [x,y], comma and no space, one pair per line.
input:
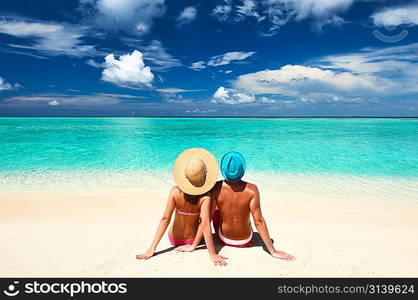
[162,227]
[261,226]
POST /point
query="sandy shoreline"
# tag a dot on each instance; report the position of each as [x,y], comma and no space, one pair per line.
[94,234]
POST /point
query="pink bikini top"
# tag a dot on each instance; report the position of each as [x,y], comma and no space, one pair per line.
[187,213]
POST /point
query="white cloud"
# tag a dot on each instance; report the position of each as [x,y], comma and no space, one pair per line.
[393,16]
[275,13]
[49,39]
[53,103]
[142,28]
[315,8]
[198,65]
[320,12]
[292,80]
[177,90]
[33,98]
[127,71]
[228,96]
[28,29]
[94,63]
[395,69]
[99,99]
[131,15]
[187,15]
[248,9]
[233,96]
[374,60]
[267,100]
[369,74]
[5,86]
[201,111]
[175,98]
[156,54]
[223,11]
[221,60]
[122,96]
[227,58]
[221,93]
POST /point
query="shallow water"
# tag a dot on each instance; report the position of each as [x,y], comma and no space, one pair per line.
[365,147]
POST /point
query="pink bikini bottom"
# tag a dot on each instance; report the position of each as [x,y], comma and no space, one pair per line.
[176,242]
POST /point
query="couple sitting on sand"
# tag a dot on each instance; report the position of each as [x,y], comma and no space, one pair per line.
[198,198]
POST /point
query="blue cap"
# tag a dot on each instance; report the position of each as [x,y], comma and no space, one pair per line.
[233,166]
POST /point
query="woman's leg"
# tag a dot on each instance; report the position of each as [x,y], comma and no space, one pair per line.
[170,236]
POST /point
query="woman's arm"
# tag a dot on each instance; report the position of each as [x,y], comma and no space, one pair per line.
[207,233]
[197,239]
[261,226]
[162,226]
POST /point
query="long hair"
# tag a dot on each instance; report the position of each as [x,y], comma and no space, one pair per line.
[192,199]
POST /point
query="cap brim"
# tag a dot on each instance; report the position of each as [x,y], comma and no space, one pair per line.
[211,167]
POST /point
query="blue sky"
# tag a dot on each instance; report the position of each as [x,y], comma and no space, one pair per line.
[209,58]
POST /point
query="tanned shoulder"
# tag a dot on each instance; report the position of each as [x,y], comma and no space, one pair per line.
[175,190]
[252,188]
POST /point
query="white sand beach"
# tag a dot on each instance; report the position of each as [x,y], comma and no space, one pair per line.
[335,230]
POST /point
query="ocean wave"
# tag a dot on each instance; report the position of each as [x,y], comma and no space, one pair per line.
[381,189]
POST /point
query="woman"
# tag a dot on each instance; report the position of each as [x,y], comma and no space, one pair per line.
[195,173]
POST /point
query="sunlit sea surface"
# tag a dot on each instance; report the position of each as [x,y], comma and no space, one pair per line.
[50,153]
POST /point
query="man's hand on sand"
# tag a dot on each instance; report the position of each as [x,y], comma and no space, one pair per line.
[185,248]
[282,255]
[146,255]
[218,260]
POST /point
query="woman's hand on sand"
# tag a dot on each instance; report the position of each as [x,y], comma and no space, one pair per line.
[218,260]
[146,255]
[186,248]
[282,255]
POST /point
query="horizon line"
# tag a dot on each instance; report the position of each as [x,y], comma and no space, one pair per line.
[219,117]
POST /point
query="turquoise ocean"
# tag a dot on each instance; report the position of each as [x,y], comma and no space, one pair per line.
[48,151]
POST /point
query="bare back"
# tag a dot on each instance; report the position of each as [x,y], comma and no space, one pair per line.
[185,226]
[233,201]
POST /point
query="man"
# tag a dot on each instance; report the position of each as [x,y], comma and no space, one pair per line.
[236,200]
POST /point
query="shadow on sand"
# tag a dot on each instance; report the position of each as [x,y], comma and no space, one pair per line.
[258,242]
[164,251]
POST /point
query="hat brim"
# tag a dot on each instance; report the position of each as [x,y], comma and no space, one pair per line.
[211,167]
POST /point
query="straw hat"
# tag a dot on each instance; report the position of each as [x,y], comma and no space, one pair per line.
[195,171]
